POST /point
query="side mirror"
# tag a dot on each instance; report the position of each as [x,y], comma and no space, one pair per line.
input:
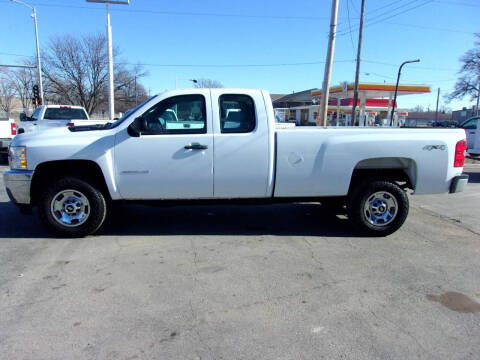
[138,126]
[23,117]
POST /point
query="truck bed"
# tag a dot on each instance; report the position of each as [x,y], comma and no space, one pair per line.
[320,161]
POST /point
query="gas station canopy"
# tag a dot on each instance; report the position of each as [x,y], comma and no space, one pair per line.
[373,91]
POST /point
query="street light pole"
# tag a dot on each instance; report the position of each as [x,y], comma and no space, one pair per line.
[111,90]
[396,87]
[111,97]
[39,65]
[177,78]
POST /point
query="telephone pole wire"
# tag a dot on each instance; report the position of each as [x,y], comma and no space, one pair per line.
[328,64]
[357,71]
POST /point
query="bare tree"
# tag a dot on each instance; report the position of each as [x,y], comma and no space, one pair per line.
[7,92]
[128,90]
[418,108]
[23,81]
[208,83]
[76,70]
[468,84]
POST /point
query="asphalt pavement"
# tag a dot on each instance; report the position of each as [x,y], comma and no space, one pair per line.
[290,281]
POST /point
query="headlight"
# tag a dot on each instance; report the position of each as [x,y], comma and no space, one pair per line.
[17,156]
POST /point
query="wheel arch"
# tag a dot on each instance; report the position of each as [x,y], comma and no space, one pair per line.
[397,169]
[87,170]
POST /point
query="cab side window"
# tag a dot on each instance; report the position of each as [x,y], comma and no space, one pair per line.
[184,114]
[237,114]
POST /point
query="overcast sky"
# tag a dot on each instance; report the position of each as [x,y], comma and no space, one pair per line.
[226,40]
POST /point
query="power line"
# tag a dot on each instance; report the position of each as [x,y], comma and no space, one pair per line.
[235,65]
[394,14]
[215,65]
[456,3]
[412,67]
[385,12]
[350,25]
[430,28]
[183,13]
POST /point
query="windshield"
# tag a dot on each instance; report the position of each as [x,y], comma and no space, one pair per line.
[36,113]
[127,114]
[64,113]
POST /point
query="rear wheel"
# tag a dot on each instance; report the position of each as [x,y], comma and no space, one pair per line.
[378,208]
[72,207]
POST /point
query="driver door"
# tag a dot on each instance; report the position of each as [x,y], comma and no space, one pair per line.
[173,158]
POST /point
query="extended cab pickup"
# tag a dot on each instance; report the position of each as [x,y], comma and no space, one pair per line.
[222,145]
[50,116]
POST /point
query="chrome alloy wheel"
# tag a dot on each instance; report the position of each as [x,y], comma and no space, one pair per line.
[70,208]
[380,208]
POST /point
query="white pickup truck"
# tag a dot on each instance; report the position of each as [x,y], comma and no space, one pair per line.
[50,116]
[222,145]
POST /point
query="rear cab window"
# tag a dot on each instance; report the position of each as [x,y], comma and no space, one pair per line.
[237,114]
[64,113]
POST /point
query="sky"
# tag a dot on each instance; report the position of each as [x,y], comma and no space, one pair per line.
[277,45]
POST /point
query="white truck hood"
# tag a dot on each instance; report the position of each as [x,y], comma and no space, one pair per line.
[63,144]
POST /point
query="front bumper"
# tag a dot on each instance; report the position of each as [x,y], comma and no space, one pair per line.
[458,183]
[4,143]
[18,184]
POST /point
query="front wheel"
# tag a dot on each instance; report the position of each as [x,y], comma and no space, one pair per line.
[378,208]
[72,207]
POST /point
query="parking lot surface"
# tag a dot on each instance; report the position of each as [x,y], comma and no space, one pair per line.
[266,282]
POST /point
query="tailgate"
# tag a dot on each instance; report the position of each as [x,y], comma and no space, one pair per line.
[5,128]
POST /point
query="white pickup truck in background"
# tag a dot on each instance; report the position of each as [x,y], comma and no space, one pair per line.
[222,146]
[50,116]
[8,129]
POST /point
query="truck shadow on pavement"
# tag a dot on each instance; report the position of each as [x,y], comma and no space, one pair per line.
[130,220]
[280,220]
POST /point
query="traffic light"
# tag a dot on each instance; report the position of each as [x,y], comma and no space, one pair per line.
[36,100]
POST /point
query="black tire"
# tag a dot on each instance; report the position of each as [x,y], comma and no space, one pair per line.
[360,196]
[97,209]
[3,158]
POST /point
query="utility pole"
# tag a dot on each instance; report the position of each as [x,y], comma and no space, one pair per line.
[39,65]
[357,71]
[328,64]
[136,99]
[436,110]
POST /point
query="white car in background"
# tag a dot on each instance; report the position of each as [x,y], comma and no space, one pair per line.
[470,127]
[50,116]
[473,135]
[8,129]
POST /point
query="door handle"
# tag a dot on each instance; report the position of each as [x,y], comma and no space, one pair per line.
[196,147]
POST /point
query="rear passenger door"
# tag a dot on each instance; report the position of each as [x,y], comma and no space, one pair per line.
[242,165]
